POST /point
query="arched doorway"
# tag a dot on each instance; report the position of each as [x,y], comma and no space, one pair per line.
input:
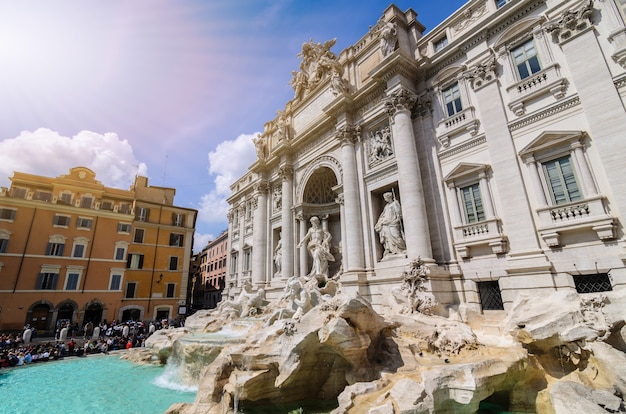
[38,316]
[93,314]
[65,314]
[132,314]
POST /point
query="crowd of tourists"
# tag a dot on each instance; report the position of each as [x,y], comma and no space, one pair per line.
[19,349]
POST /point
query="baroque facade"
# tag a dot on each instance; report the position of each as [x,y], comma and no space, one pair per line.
[73,250]
[489,149]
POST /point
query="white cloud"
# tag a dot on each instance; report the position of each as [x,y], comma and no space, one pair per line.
[48,153]
[228,162]
[200,240]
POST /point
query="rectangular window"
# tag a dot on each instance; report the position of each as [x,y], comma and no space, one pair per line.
[72,281]
[47,281]
[472,204]
[79,250]
[116,282]
[441,43]
[233,263]
[452,99]
[55,249]
[125,208]
[592,283]
[176,239]
[134,261]
[490,295]
[106,205]
[526,59]
[247,255]
[62,221]
[65,198]
[4,243]
[86,202]
[178,219]
[123,228]
[84,223]
[501,3]
[120,252]
[18,192]
[143,214]
[173,263]
[171,289]
[7,214]
[130,290]
[561,181]
[43,196]
[138,236]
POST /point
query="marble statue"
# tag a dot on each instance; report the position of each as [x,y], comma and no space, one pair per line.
[278,256]
[318,245]
[389,227]
[260,146]
[388,34]
[247,303]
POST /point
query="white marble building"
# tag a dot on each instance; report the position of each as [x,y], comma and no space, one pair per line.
[501,133]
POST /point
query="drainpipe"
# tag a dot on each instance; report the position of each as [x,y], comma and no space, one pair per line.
[19,269]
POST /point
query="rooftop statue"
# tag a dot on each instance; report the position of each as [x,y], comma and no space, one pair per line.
[318,62]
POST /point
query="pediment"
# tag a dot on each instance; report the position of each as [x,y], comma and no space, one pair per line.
[448,73]
[550,139]
[517,32]
[465,169]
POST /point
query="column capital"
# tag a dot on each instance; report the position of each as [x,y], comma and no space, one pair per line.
[572,22]
[261,187]
[348,134]
[482,73]
[400,100]
[285,172]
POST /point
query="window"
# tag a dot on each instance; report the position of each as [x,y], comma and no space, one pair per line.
[440,44]
[233,263]
[138,238]
[592,283]
[176,239]
[4,243]
[123,228]
[116,282]
[18,192]
[65,198]
[7,214]
[173,263]
[247,256]
[84,223]
[472,203]
[143,214]
[490,296]
[130,290]
[452,99]
[43,196]
[120,252]
[106,205]
[501,3]
[525,59]
[61,221]
[79,250]
[71,282]
[134,261]
[561,181]
[86,202]
[125,208]
[55,249]
[47,281]
[171,289]
[178,219]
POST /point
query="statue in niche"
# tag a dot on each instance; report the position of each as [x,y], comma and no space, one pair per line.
[380,145]
[277,198]
[278,255]
[389,227]
[388,33]
[260,146]
[318,245]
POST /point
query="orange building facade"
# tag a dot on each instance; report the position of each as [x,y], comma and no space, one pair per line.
[69,252]
[213,267]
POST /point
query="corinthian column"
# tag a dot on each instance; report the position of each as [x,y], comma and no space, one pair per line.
[354,256]
[417,235]
[286,174]
[259,241]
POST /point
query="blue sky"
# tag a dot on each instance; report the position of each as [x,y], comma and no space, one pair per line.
[170,89]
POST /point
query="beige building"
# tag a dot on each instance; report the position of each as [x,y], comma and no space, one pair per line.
[70,251]
[498,137]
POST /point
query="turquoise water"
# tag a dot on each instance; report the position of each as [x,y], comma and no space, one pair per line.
[94,384]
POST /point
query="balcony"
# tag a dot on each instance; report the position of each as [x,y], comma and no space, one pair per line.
[546,81]
[590,214]
[484,233]
[459,123]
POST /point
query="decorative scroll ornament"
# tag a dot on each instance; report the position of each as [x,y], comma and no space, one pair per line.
[400,100]
[379,145]
[572,22]
[482,73]
[285,172]
[348,134]
[318,63]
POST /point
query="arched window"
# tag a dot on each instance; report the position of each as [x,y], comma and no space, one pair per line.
[319,188]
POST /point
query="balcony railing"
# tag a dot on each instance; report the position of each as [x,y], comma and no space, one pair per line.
[487,232]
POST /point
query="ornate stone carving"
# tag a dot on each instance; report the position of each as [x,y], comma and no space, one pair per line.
[572,22]
[482,73]
[389,228]
[387,33]
[400,100]
[339,199]
[285,172]
[318,63]
[277,198]
[317,241]
[379,146]
[424,104]
[348,134]
[261,187]
[471,16]
[260,144]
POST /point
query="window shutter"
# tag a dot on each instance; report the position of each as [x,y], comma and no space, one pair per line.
[39,281]
[48,249]
[61,248]
[128,259]
[140,261]
[55,278]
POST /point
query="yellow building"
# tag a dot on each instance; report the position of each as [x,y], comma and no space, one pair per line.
[68,251]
